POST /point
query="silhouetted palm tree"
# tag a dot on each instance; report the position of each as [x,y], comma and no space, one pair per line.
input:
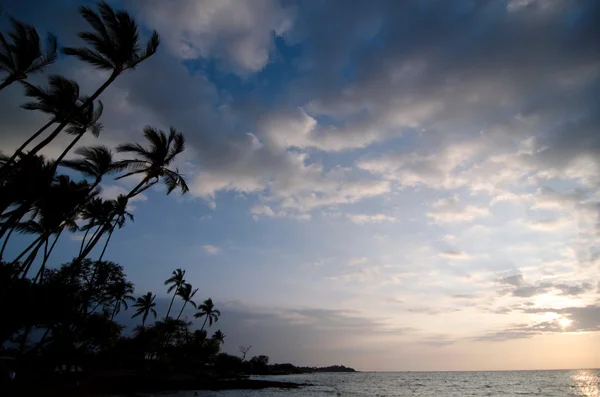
[52,214]
[219,336]
[208,309]
[186,294]
[25,185]
[58,100]
[119,216]
[114,44]
[145,305]
[95,162]
[153,162]
[175,282]
[24,55]
[85,119]
[120,294]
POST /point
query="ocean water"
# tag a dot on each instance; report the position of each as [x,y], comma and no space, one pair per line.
[569,383]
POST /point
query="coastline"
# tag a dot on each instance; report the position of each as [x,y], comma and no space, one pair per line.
[133,385]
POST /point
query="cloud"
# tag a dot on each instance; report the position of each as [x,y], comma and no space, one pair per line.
[526,290]
[453,254]
[111,192]
[238,34]
[515,280]
[548,225]
[582,319]
[357,261]
[362,219]
[211,249]
[450,209]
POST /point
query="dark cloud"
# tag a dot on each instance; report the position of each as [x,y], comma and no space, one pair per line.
[303,335]
[524,290]
[515,280]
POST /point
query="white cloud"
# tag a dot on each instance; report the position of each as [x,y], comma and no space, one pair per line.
[357,261]
[361,219]
[452,210]
[238,33]
[211,249]
[453,254]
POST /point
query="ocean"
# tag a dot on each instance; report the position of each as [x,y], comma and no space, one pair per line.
[567,383]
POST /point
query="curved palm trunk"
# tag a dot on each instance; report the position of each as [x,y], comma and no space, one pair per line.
[181,311]
[68,148]
[106,244]
[205,320]
[26,250]
[30,259]
[15,218]
[47,254]
[83,241]
[171,304]
[64,123]
[6,166]
[117,305]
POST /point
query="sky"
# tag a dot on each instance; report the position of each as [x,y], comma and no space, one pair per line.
[390,185]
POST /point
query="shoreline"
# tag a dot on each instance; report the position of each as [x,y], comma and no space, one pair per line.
[136,386]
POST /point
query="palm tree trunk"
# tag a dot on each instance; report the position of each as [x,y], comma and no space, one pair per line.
[114,310]
[63,124]
[6,166]
[181,311]
[5,243]
[83,240]
[31,258]
[14,262]
[106,244]
[171,304]
[8,81]
[68,148]
[201,329]
[47,254]
[12,221]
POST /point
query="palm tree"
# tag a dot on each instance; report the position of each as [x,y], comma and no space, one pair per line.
[114,44]
[52,214]
[119,216]
[208,309]
[25,185]
[219,336]
[24,55]
[145,305]
[85,119]
[120,294]
[95,162]
[175,282]
[186,294]
[153,162]
[58,100]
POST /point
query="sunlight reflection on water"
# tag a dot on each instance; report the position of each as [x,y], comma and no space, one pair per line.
[587,382]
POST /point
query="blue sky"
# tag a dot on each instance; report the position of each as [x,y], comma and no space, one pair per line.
[388,185]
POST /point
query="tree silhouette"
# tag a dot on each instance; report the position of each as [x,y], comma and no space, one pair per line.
[175,282]
[145,305]
[186,294]
[208,311]
[24,54]
[114,44]
[59,99]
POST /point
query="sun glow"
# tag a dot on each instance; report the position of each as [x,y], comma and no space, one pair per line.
[564,322]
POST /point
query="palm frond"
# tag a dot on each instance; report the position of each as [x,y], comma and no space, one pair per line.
[89,56]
